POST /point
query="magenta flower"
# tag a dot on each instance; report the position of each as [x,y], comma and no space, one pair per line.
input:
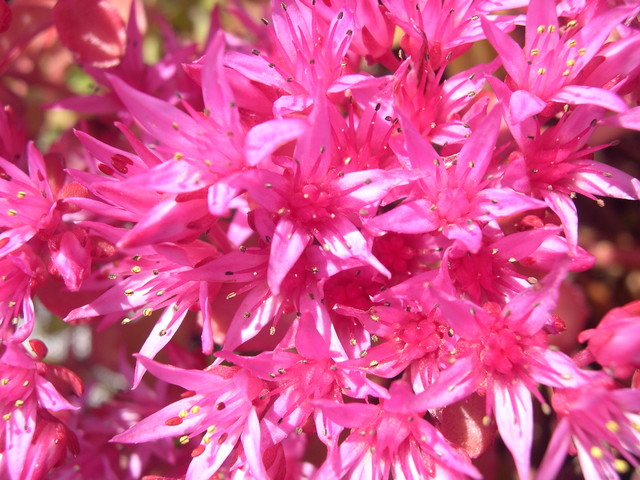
[549,67]
[390,439]
[453,196]
[27,433]
[218,404]
[505,354]
[599,422]
[614,342]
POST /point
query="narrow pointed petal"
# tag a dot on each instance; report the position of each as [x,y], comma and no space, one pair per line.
[583,95]
[411,217]
[514,416]
[159,118]
[288,242]
[265,138]
[510,52]
[523,105]
[162,332]
[216,91]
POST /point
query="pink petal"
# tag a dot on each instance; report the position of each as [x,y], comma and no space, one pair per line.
[154,426]
[288,242]
[19,431]
[351,415]
[600,179]
[162,120]
[163,331]
[216,91]
[169,221]
[523,105]
[49,398]
[468,236]
[411,217]
[556,453]
[251,445]
[496,203]
[477,151]
[254,313]
[510,52]
[458,381]
[265,138]
[583,95]
[564,207]
[514,415]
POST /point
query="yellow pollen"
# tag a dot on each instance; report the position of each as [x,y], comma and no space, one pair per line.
[582,51]
[566,73]
[551,28]
[112,276]
[636,427]
[12,304]
[183,413]
[231,295]
[572,43]
[184,439]
[6,416]
[352,342]
[542,71]
[125,321]
[19,403]
[211,429]
[128,292]
[272,331]
[620,465]
[26,383]
[206,440]
[535,51]
[21,194]
[374,363]
[4,381]
[147,312]
[540,29]
[486,421]
[174,125]
[571,62]
[178,156]
[613,426]
[195,409]
[596,452]
[566,376]
[136,269]
[11,212]
[572,24]
[375,318]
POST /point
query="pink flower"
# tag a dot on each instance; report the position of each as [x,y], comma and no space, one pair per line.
[548,68]
[25,400]
[453,196]
[25,272]
[390,439]
[504,352]
[218,404]
[614,343]
[599,422]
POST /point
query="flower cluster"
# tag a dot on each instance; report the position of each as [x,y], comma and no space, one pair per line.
[346,239]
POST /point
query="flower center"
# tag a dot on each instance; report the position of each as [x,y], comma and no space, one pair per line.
[311,204]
